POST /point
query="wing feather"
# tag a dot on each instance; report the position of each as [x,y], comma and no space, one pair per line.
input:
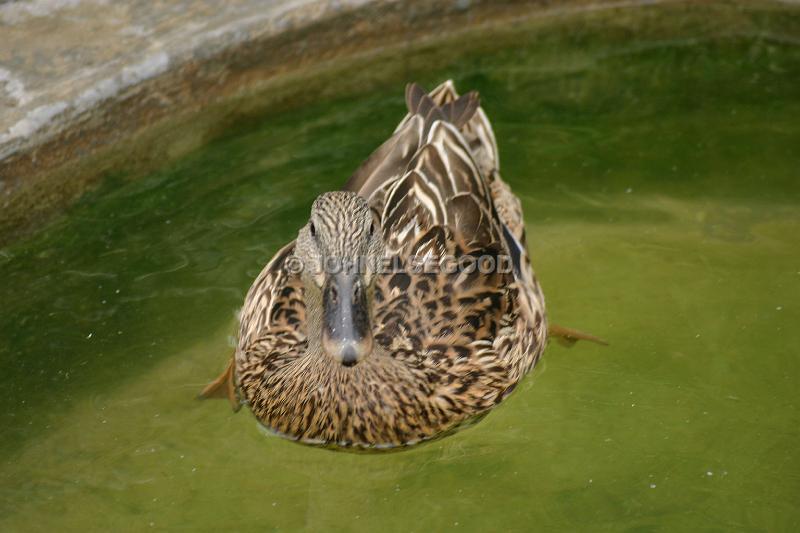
[387,163]
[274,301]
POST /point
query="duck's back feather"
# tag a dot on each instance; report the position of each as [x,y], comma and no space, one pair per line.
[436,186]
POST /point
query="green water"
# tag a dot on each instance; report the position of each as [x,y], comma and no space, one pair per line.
[659,178]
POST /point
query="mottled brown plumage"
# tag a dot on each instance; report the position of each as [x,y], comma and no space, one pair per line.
[446,344]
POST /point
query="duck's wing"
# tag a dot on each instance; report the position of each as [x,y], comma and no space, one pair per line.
[390,161]
[477,130]
[441,188]
[460,320]
[425,175]
[273,321]
[386,164]
[271,332]
[274,300]
[479,135]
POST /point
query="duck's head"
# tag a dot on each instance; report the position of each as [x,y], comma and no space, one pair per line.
[341,251]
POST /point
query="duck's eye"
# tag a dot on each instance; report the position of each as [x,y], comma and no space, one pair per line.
[312,229]
[333,294]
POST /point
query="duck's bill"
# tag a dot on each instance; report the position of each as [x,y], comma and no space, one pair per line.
[346,330]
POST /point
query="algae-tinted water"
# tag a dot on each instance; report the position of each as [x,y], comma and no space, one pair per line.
[659,179]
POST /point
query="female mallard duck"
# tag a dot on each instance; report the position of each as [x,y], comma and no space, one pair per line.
[339,346]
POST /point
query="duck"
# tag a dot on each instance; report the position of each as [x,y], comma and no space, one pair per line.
[407,306]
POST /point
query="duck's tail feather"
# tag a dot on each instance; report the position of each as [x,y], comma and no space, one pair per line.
[458,111]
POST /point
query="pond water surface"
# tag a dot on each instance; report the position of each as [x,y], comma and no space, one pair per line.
[659,178]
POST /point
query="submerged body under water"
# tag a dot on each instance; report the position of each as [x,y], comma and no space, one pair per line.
[659,185]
